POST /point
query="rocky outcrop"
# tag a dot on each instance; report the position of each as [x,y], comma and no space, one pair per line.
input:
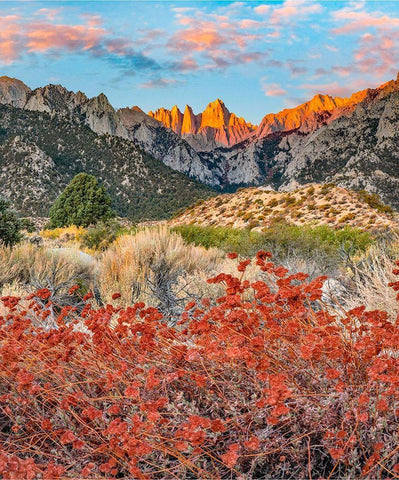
[98,114]
[309,116]
[167,146]
[357,149]
[212,128]
[13,92]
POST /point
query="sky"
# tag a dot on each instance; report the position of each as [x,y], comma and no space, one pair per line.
[258,57]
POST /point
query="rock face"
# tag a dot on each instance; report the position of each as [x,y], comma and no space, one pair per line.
[309,116]
[355,146]
[13,92]
[212,128]
[165,145]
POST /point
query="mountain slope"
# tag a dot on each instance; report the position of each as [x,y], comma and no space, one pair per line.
[40,154]
[166,146]
[99,115]
[352,142]
[259,208]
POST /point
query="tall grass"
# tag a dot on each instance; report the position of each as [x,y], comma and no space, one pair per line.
[369,278]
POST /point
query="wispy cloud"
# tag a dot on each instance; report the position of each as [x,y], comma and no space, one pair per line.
[160,83]
[358,21]
[274,90]
[376,41]
[20,37]
[294,10]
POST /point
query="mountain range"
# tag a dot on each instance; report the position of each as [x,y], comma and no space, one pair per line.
[352,142]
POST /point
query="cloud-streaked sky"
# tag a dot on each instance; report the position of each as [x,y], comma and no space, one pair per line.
[259,57]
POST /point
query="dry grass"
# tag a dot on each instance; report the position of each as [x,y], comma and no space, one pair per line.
[26,268]
[155,266]
[369,281]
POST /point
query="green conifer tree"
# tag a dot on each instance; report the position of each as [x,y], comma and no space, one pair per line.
[84,202]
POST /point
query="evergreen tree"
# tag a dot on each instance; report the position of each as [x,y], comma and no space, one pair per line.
[84,202]
[10,224]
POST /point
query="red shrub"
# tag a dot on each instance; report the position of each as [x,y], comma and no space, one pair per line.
[273,387]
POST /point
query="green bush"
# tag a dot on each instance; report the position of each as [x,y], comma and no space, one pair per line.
[84,202]
[374,201]
[10,224]
[101,235]
[283,240]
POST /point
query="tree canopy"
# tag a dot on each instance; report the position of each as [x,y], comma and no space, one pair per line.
[10,224]
[84,202]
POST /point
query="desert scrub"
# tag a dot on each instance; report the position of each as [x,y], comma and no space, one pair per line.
[374,201]
[156,266]
[65,234]
[324,243]
[101,235]
[369,277]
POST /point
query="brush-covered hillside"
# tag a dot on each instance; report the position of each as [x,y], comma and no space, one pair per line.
[40,153]
[257,208]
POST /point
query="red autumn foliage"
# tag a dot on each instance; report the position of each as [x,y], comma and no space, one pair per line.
[263,382]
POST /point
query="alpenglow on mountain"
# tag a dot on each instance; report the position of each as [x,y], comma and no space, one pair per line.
[215,126]
[353,142]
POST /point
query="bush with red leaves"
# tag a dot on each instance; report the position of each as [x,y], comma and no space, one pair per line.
[274,387]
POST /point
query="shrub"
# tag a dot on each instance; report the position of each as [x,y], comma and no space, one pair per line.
[153,265]
[374,201]
[28,225]
[64,234]
[270,388]
[10,224]
[101,235]
[27,267]
[84,202]
[323,243]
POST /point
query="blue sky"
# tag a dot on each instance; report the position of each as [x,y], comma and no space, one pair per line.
[258,57]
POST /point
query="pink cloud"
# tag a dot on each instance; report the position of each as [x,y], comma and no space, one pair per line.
[41,37]
[378,53]
[262,9]
[335,89]
[50,13]
[358,21]
[198,39]
[294,10]
[18,37]
[212,32]
[274,90]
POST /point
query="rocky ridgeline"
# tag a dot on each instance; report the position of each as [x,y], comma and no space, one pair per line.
[352,142]
[98,114]
[212,128]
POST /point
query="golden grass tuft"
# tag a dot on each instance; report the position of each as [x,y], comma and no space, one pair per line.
[153,264]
